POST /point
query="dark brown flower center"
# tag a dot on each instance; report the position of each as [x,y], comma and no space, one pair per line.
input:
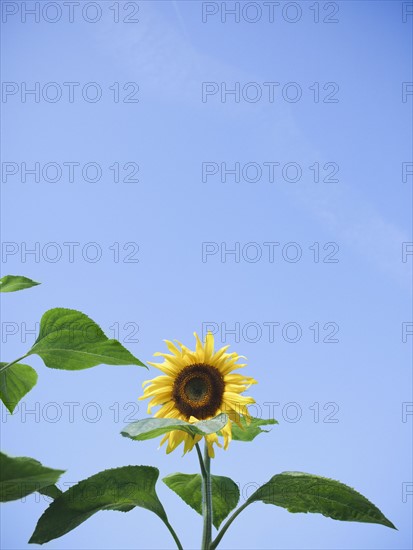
[198,391]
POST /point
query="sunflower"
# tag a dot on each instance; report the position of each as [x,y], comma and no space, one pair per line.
[198,385]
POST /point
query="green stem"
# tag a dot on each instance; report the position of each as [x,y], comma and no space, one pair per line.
[205,464]
[222,532]
[175,536]
[13,362]
[201,461]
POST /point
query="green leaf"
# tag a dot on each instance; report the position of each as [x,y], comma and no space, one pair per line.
[225,493]
[20,476]
[154,427]
[250,431]
[300,492]
[70,340]
[118,489]
[12,283]
[15,382]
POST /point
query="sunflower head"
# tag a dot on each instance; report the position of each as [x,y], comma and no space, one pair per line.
[198,385]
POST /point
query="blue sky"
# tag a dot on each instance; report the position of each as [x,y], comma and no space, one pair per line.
[164,220]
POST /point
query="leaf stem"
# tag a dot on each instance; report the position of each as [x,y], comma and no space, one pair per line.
[201,461]
[205,464]
[175,536]
[13,362]
[222,532]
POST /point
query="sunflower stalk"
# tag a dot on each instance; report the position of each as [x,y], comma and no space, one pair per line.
[205,464]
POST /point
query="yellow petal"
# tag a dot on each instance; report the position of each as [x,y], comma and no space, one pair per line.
[165,438]
[209,347]
[166,368]
[172,348]
[218,355]
[175,438]
[199,347]
[165,410]
[231,365]
[190,442]
[227,433]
